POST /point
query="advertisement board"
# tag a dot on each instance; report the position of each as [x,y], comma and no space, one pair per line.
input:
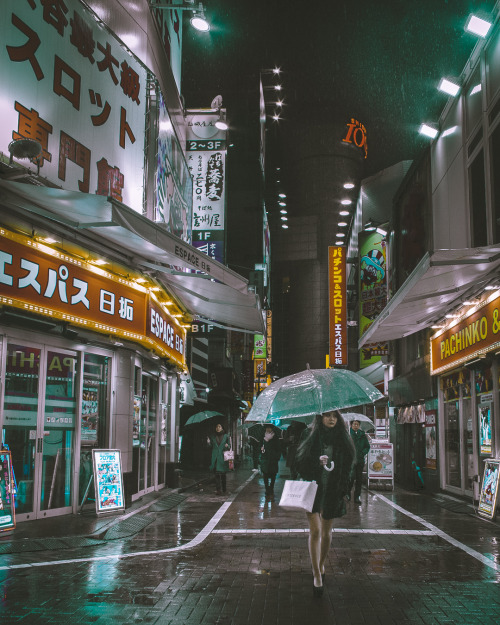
[489,488]
[108,480]
[484,419]
[381,461]
[70,85]
[7,507]
[337,298]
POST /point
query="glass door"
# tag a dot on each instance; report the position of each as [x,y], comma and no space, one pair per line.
[144,443]
[39,427]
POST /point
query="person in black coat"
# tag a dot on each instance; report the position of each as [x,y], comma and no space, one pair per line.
[362,445]
[270,455]
[325,455]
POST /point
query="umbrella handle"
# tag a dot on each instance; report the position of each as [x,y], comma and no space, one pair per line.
[330,468]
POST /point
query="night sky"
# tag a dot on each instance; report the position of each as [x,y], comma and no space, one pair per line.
[379,61]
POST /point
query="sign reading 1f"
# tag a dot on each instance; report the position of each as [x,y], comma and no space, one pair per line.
[356,133]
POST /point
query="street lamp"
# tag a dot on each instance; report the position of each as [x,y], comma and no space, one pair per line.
[198,19]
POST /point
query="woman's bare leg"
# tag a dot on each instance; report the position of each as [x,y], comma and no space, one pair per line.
[326,541]
[315,545]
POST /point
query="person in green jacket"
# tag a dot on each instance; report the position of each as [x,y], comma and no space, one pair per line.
[220,442]
[270,454]
[362,445]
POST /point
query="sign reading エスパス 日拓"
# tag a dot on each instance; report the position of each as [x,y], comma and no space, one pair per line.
[43,280]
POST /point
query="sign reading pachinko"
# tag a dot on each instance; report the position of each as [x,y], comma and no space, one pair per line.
[7,507]
[206,157]
[372,292]
[41,279]
[68,84]
[337,295]
[489,488]
[108,480]
[475,334]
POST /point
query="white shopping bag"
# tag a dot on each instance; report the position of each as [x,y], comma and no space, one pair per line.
[298,495]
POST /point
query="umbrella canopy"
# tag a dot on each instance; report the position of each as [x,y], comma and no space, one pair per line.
[199,417]
[313,391]
[365,423]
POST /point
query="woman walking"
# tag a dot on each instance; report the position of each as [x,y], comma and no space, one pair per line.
[326,455]
[270,455]
[220,443]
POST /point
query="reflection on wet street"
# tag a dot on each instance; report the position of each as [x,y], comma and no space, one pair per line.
[400,557]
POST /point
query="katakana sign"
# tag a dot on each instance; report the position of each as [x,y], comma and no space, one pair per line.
[337,293]
[68,84]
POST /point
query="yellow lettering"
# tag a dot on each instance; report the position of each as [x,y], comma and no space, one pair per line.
[475,332]
[30,359]
[459,341]
[55,364]
[452,343]
[484,328]
[447,349]
[442,350]
[468,336]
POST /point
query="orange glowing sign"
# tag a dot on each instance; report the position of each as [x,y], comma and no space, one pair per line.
[476,334]
[43,280]
[356,134]
[337,296]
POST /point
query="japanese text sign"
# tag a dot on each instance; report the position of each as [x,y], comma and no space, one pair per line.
[337,295]
[68,84]
[42,280]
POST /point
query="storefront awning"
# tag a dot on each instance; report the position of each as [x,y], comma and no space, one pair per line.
[439,280]
[374,373]
[216,294]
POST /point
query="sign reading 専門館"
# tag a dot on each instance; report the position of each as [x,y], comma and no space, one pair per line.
[472,336]
[337,294]
[40,279]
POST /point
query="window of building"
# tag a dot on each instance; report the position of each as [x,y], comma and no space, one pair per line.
[477,199]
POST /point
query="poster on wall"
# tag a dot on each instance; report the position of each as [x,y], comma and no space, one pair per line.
[484,416]
[108,480]
[381,461]
[136,421]
[90,413]
[7,506]
[430,440]
[489,488]
[164,423]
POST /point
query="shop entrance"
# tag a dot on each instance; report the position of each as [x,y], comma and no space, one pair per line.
[39,416]
[144,441]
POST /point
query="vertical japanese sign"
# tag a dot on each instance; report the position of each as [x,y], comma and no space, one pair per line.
[70,85]
[372,292]
[206,156]
[337,296]
[108,480]
[269,335]
[7,507]
[174,184]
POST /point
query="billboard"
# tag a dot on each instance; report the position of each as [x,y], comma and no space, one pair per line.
[337,297]
[70,85]
[108,480]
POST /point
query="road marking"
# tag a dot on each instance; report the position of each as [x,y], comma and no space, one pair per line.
[456,543]
[336,530]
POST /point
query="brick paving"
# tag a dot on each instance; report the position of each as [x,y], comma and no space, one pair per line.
[417,563]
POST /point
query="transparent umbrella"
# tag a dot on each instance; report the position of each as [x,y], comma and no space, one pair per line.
[310,392]
[365,423]
[199,417]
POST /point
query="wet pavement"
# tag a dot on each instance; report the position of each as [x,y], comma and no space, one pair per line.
[194,557]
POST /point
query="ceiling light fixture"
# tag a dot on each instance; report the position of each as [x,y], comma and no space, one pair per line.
[449,87]
[340,234]
[284,226]
[283,211]
[428,131]
[343,213]
[346,202]
[477,26]
[342,223]
[348,185]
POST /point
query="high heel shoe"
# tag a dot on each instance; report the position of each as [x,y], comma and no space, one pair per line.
[317,591]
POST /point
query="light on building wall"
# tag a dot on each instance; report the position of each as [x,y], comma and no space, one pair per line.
[281,195]
[342,224]
[343,213]
[283,211]
[477,26]
[346,202]
[428,131]
[448,87]
[284,226]
[348,185]
[340,234]
[198,19]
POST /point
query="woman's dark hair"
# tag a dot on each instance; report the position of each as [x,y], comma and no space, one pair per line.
[340,429]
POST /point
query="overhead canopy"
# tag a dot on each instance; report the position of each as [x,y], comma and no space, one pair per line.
[439,280]
[227,302]
[374,373]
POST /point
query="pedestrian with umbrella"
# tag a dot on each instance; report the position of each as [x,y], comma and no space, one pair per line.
[270,455]
[219,442]
[362,445]
[325,455]
[255,438]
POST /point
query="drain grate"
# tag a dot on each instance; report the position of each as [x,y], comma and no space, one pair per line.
[127,527]
[167,503]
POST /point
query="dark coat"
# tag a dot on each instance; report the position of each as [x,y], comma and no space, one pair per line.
[330,503]
[362,445]
[270,455]
[218,463]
